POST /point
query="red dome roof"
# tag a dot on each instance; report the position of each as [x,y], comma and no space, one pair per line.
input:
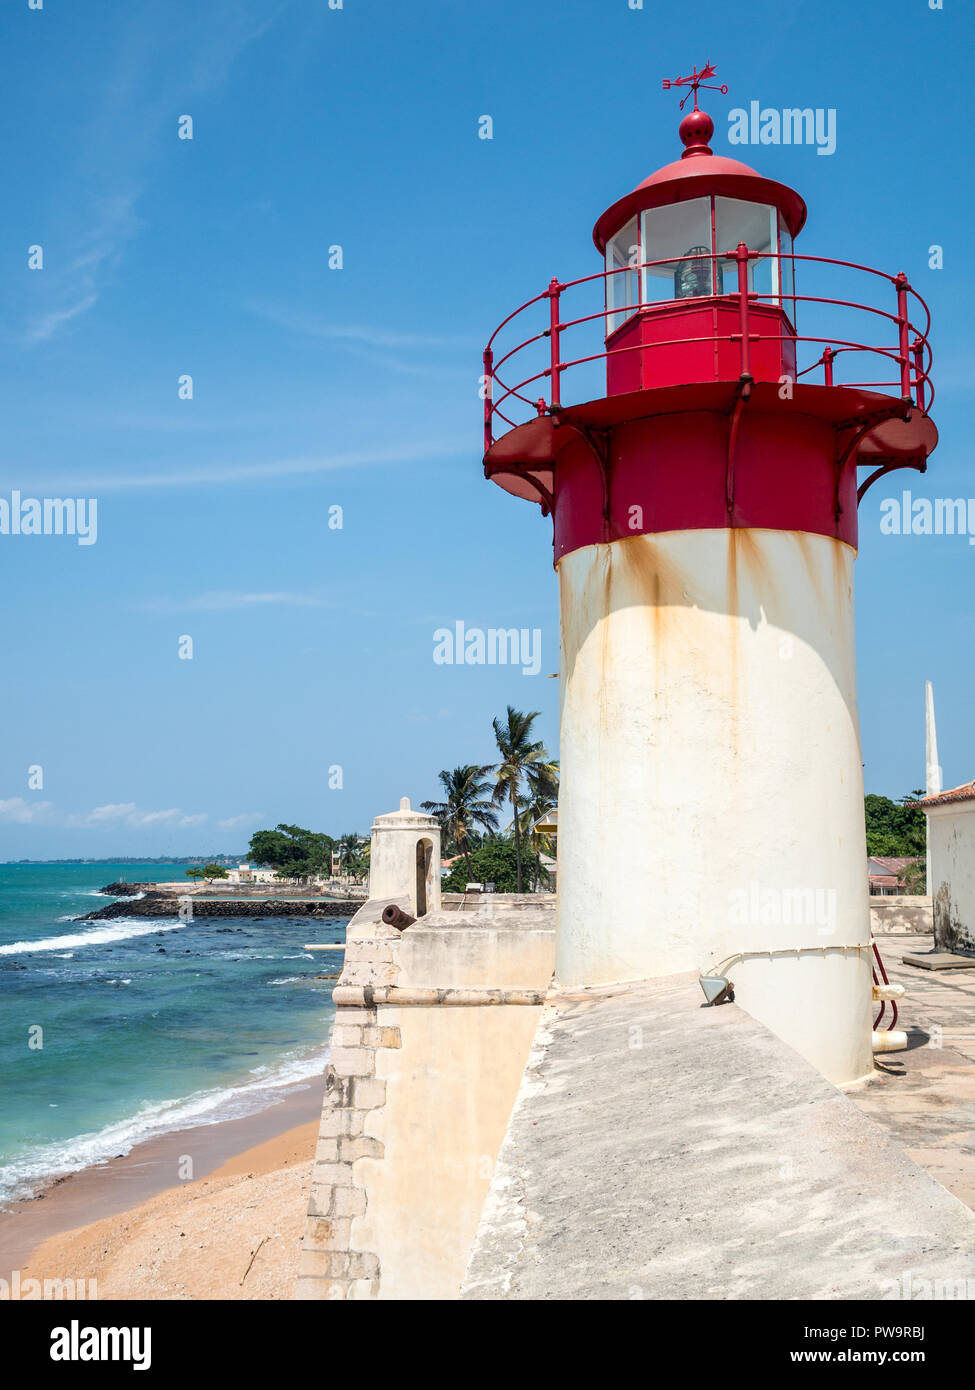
[708,165]
[696,174]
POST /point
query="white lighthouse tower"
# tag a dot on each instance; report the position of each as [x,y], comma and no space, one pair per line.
[704,504]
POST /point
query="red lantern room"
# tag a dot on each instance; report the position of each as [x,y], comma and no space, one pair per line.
[679,249]
[706,309]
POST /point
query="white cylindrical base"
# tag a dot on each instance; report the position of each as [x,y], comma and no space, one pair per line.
[712,797]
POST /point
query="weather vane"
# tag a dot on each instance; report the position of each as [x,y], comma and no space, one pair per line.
[696,81]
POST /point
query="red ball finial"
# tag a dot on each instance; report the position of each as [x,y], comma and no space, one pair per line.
[697,126]
[695,131]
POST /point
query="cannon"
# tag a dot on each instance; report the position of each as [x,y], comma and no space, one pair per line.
[394,916]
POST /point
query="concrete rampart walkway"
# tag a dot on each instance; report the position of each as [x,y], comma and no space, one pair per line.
[659,1150]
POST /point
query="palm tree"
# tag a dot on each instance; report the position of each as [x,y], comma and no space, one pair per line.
[465,805]
[522,759]
[543,796]
[350,851]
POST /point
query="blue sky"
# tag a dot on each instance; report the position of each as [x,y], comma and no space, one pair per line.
[357,387]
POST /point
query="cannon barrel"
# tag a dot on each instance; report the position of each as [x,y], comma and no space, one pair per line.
[394,916]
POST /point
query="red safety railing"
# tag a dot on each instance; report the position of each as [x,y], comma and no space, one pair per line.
[882,980]
[911,353]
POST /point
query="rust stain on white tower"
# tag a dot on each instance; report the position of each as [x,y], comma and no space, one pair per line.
[705,529]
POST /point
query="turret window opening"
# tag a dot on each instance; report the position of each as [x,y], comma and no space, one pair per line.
[623,256]
[680,236]
[696,241]
[757,226]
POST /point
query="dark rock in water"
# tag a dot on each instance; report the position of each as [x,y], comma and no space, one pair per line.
[158,904]
[126,890]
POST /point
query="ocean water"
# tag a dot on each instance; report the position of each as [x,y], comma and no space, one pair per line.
[146,1025]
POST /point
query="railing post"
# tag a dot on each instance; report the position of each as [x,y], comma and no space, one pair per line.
[488,397]
[903,286]
[741,255]
[828,355]
[918,349]
[554,291]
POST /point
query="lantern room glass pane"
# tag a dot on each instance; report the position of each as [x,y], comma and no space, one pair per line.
[679,235]
[757,226]
[623,288]
[788,273]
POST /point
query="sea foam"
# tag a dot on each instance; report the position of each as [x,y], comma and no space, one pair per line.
[270,1084]
[120,930]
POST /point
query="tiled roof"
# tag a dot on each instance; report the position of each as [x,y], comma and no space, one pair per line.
[966,792]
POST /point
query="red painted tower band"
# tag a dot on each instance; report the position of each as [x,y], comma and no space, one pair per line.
[708,381]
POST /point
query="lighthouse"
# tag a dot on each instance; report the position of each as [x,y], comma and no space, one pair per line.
[700,418]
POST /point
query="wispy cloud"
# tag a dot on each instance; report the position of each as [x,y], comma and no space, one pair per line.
[368,335]
[248,472]
[221,600]
[234,26]
[17,810]
[45,325]
[238,822]
[146,79]
[128,813]
[22,812]
[111,812]
[72,289]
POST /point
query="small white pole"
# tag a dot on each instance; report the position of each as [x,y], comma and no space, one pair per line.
[933,770]
[932,779]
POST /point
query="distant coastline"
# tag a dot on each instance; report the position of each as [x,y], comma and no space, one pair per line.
[133,859]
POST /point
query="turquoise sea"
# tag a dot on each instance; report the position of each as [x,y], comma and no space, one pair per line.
[145,1025]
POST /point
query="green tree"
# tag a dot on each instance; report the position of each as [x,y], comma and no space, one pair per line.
[522,758]
[466,804]
[497,862]
[207,872]
[895,830]
[291,850]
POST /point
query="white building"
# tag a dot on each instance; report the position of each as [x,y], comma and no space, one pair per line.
[951,848]
[951,875]
[249,873]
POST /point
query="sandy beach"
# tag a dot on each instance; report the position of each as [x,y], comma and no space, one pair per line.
[233,1232]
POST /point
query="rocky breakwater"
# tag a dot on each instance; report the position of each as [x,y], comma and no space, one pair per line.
[157,902]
